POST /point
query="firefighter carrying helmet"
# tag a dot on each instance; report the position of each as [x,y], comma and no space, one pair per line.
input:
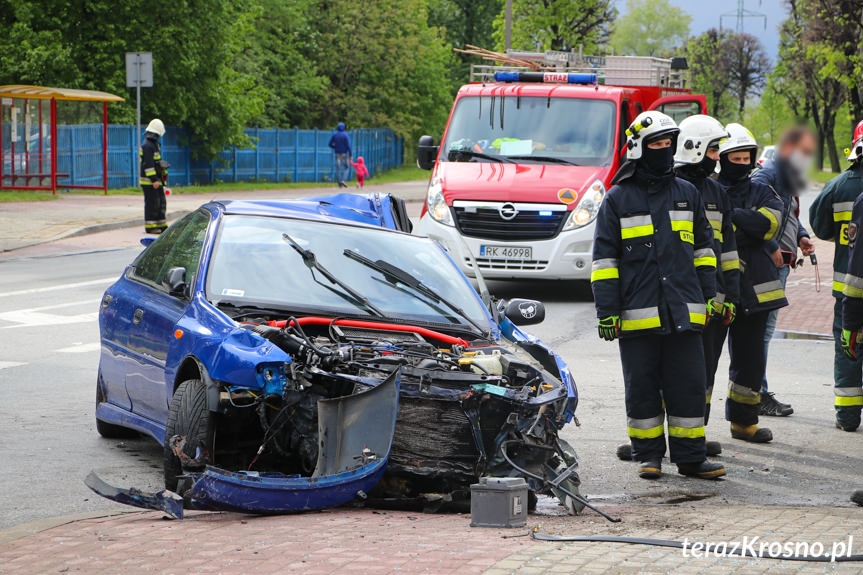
[157,127]
[648,126]
[857,147]
[696,134]
[739,139]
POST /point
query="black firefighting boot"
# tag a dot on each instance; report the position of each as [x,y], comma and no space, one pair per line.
[650,469]
[857,497]
[751,433]
[704,470]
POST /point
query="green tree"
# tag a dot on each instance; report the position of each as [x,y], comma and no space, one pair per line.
[465,22]
[769,116]
[650,28]
[558,25]
[708,65]
[748,66]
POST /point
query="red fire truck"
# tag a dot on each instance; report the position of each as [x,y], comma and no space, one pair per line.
[527,156]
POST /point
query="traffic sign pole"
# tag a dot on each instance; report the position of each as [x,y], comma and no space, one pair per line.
[139,74]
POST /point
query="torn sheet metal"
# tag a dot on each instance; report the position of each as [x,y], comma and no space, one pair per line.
[166,501]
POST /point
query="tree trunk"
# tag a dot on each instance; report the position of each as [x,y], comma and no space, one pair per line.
[829,124]
[819,151]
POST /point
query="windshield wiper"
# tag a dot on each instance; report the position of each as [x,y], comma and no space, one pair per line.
[394,274]
[475,154]
[312,263]
[551,159]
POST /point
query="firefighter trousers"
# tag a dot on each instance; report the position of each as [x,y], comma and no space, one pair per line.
[665,372]
[847,377]
[713,337]
[746,374]
[154,209]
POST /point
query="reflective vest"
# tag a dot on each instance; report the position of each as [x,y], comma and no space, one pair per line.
[718,209]
[830,216]
[757,213]
[653,259]
[852,306]
[150,152]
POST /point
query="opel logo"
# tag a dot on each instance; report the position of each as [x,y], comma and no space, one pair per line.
[507,212]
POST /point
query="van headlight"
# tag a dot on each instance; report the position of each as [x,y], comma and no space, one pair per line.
[437,207]
[587,208]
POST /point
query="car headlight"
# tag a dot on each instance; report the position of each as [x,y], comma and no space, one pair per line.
[587,208]
[437,207]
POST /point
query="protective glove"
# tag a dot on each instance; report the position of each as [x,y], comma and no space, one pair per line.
[729,312]
[714,310]
[609,327]
[849,344]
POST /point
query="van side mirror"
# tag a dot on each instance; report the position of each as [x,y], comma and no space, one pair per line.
[524,311]
[426,153]
[175,281]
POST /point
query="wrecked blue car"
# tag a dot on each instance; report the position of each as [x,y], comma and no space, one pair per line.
[294,355]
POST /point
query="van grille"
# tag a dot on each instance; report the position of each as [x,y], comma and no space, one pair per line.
[486,223]
[519,265]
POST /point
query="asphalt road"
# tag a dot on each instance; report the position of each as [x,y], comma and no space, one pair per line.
[49,355]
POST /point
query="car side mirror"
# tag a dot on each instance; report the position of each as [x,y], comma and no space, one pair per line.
[426,153]
[147,241]
[524,311]
[175,281]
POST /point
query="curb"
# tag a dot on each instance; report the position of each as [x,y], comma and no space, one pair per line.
[32,527]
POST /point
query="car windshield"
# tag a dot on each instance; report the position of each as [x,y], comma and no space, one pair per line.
[553,130]
[254,263]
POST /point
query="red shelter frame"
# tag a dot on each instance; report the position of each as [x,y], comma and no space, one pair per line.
[52,95]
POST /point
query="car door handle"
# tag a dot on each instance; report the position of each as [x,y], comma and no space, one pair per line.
[139,314]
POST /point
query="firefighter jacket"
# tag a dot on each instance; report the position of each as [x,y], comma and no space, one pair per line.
[757,211]
[830,215]
[718,209]
[852,306]
[653,260]
[151,166]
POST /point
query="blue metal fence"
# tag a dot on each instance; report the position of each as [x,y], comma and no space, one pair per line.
[278,155]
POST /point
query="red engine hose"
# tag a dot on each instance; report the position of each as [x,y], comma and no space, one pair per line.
[436,335]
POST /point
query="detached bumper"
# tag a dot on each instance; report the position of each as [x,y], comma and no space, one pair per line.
[567,256]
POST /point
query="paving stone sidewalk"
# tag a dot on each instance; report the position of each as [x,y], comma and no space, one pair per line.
[346,541]
[810,311]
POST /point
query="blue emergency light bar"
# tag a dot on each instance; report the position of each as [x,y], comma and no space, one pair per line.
[546,77]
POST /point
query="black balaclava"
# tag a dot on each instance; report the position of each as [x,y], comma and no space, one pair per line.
[657,162]
[732,172]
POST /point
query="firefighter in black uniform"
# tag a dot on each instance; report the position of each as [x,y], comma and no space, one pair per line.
[152,178]
[653,273]
[757,211]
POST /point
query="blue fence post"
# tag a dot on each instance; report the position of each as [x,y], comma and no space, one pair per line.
[257,154]
[278,156]
[316,154]
[187,152]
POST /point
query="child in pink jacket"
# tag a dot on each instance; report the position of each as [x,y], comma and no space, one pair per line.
[362,171]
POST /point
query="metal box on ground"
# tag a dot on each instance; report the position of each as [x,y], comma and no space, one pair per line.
[498,502]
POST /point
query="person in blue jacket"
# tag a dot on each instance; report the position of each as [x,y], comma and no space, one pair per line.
[786,175]
[756,215]
[340,142]
[653,274]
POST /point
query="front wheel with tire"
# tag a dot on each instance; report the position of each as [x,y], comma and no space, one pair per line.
[188,417]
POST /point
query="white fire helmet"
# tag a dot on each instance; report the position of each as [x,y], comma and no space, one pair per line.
[697,133]
[157,127]
[739,139]
[648,126]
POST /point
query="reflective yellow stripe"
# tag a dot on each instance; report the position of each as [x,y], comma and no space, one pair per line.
[651,433]
[838,286]
[731,265]
[847,401]
[691,432]
[697,313]
[636,231]
[705,261]
[841,216]
[774,222]
[742,394]
[853,286]
[606,274]
[717,235]
[635,319]
[770,296]
[157,156]
[150,172]
[681,226]
[145,182]
[848,396]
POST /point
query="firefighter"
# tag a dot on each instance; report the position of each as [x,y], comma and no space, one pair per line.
[654,270]
[757,211]
[152,175]
[830,216]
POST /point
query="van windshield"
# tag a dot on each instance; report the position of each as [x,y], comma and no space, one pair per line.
[519,128]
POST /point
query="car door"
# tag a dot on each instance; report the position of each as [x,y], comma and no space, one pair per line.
[681,106]
[156,311]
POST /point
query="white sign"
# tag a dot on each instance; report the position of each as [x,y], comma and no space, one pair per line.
[139,69]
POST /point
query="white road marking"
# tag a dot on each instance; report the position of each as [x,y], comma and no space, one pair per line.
[25,318]
[59,287]
[5,364]
[81,348]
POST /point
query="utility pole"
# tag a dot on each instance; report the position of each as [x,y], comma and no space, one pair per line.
[742,13]
[507,42]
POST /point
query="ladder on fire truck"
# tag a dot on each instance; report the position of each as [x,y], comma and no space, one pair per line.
[610,70]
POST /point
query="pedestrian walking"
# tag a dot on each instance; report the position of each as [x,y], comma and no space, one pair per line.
[786,174]
[756,215]
[340,142]
[830,217]
[361,170]
[654,270]
[152,178]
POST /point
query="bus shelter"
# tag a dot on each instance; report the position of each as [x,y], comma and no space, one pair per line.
[31,152]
